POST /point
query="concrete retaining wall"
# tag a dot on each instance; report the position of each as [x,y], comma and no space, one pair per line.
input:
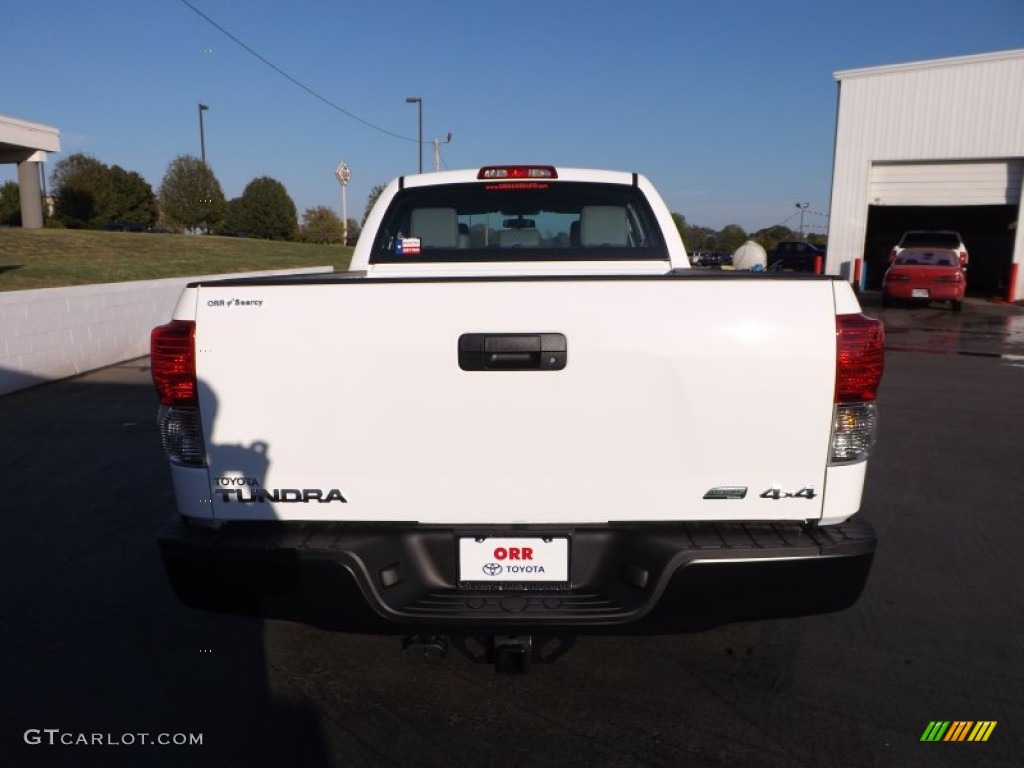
[53,333]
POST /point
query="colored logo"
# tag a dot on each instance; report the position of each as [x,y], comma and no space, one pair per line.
[492,569]
[958,730]
[407,246]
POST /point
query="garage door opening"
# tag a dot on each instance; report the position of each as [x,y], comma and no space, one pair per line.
[987,231]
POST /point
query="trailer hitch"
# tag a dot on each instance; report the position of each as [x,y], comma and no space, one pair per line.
[512,654]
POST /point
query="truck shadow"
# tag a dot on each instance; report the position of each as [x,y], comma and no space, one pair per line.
[240,463]
[93,640]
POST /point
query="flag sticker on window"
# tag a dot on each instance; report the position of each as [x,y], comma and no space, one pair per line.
[958,730]
[407,246]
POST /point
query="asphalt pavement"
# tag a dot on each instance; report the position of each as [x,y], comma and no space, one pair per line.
[94,644]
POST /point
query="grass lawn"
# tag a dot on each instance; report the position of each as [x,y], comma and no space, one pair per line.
[48,258]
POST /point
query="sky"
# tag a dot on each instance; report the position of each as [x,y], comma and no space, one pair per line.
[728,106]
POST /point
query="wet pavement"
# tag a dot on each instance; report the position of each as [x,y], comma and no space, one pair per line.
[982,329]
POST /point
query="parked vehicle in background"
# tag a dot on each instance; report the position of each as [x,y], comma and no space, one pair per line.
[710,258]
[123,226]
[925,274]
[795,256]
[939,238]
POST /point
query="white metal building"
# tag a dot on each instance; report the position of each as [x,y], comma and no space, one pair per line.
[931,145]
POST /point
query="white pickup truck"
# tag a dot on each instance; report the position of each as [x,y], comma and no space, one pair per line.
[520,414]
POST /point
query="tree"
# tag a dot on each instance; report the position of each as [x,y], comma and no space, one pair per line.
[91,194]
[10,205]
[770,237]
[130,199]
[680,221]
[266,210]
[731,237]
[68,169]
[370,200]
[80,183]
[321,225]
[234,223]
[700,239]
[190,195]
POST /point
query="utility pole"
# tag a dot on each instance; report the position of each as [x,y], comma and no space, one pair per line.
[344,176]
[202,137]
[437,150]
[418,101]
[803,207]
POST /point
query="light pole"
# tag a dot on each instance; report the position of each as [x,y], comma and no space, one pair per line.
[419,101]
[437,150]
[344,177]
[202,137]
[803,207]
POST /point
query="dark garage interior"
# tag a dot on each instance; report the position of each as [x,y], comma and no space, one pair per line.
[988,231]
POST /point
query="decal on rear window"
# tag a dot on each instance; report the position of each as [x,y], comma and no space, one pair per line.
[407,246]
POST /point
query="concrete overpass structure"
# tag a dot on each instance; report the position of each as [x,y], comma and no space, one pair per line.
[26,144]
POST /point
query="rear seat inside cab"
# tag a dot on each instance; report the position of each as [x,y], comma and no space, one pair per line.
[435,227]
[602,225]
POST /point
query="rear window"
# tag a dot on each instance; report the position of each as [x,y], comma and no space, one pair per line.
[530,220]
[924,257]
[935,239]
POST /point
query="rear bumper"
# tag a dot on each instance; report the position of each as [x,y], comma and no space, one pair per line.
[950,292]
[402,579]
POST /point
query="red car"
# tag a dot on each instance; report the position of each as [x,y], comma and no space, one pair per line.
[925,274]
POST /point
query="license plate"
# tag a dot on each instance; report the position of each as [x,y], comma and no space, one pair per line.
[503,560]
[919,293]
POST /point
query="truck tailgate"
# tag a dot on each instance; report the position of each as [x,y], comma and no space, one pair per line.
[680,399]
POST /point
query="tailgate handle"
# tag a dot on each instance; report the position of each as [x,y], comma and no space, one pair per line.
[512,351]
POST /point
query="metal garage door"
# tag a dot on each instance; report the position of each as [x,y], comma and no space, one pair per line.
[968,182]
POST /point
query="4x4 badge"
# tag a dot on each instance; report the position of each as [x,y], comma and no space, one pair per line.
[807,492]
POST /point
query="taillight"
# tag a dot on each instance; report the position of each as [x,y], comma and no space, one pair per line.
[181,435]
[954,278]
[173,364]
[854,432]
[860,359]
[173,361]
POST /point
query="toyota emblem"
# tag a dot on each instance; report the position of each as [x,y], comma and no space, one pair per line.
[492,569]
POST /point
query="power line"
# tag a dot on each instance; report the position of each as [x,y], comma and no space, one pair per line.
[285,75]
[784,222]
[806,226]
